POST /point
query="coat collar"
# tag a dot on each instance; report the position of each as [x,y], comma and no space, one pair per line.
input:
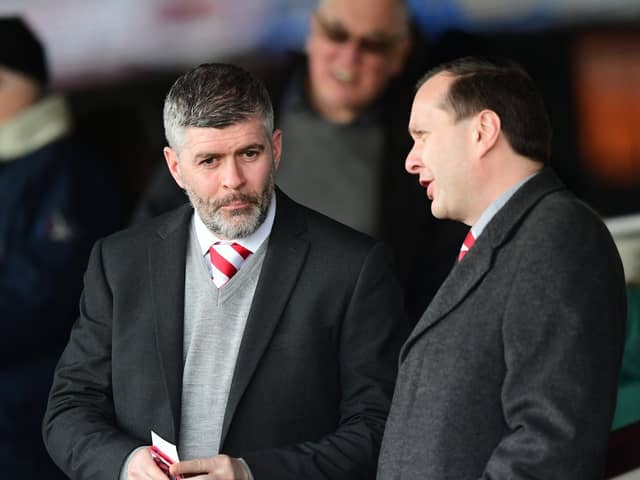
[44,122]
[467,274]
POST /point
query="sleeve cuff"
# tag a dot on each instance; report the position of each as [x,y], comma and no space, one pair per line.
[125,466]
[246,465]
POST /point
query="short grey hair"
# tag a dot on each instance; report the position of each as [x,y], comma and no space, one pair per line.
[214,95]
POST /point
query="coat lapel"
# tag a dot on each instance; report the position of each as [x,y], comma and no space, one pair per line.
[478,261]
[463,278]
[167,258]
[283,262]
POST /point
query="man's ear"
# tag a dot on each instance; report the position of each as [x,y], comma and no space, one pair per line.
[171,157]
[276,146]
[487,129]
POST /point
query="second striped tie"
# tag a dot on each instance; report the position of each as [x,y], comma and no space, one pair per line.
[469,240]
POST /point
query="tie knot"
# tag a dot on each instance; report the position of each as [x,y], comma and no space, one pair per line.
[226,260]
[469,240]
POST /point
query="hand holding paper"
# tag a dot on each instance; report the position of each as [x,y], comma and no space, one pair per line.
[218,467]
[164,454]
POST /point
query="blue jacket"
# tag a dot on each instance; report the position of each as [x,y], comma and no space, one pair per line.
[53,205]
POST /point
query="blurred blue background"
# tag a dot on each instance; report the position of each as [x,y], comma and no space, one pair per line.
[92,40]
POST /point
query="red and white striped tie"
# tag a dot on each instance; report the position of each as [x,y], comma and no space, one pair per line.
[226,260]
[469,240]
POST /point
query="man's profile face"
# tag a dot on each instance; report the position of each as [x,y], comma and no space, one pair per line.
[441,151]
[354,47]
[228,174]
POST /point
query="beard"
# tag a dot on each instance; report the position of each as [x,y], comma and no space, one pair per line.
[239,222]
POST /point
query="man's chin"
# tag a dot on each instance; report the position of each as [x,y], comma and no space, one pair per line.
[436,212]
[237,225]
[234,212]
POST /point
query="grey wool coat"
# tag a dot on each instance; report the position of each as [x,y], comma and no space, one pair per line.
[511,373]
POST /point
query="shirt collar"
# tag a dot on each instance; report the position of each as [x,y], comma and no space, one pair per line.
[496,205]
[206,237]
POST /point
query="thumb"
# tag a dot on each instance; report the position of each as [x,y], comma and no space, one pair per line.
[188,467]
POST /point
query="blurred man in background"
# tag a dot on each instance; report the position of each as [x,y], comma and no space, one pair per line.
[48,223]
[344,107]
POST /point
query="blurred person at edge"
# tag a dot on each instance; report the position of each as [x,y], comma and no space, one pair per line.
[47,226]
[344,106]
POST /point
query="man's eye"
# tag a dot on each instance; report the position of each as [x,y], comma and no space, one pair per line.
[251,153]
[207,161]
[336,34]
[378,45]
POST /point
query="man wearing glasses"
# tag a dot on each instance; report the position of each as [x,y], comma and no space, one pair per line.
[344,107]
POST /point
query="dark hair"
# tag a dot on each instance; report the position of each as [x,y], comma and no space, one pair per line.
[214,95]
[21,50]
[503,86]
[401,9]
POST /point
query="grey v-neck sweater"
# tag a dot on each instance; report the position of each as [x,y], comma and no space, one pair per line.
[214,322]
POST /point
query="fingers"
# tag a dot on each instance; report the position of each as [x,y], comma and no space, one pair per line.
[218,467]
[142,466]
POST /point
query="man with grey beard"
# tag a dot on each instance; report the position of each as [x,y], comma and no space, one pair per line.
[258,336]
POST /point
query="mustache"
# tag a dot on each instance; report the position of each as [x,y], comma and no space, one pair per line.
[236,197]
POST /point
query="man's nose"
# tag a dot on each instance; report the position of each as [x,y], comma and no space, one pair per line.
[349,52]
[233,174]
[413,162]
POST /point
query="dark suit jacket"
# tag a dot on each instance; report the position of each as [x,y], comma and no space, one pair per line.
[511,372]
[315,371]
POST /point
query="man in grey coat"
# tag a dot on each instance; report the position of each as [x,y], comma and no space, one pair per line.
[511,372]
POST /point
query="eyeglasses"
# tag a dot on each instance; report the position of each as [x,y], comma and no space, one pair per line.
[376,45]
